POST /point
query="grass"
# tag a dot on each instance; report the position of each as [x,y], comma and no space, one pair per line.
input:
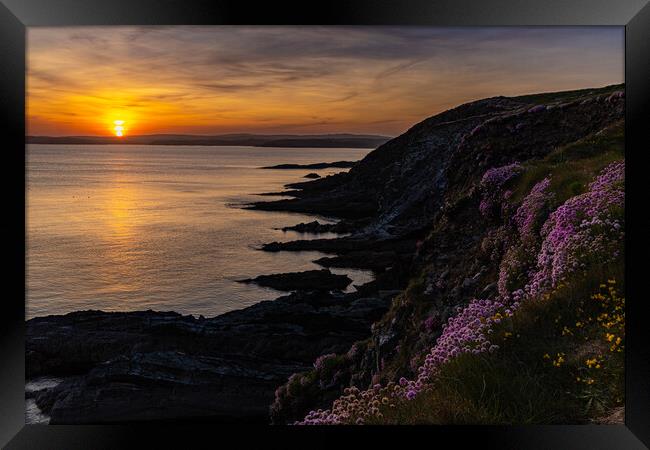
[540,373]
[550,97]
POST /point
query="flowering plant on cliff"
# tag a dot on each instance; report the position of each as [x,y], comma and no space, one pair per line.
[586,229]
[467,332]
[521,257]
[492,185]
[532,208]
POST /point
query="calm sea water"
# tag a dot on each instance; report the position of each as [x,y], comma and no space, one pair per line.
[128,227]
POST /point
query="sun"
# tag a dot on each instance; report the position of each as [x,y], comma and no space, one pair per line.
[119,128]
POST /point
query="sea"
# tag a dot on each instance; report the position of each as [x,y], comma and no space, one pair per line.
[137,227]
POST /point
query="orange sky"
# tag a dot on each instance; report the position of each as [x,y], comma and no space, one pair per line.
[213,80]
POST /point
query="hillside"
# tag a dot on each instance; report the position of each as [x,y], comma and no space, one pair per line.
[512,308]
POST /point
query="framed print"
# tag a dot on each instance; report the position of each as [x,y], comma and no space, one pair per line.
[289,225]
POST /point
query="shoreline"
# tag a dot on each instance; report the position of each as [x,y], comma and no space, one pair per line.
[347,317]
[214,291]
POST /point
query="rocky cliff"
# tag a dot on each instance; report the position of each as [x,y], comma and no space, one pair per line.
[444,201]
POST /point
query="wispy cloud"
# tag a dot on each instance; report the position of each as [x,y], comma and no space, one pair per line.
[311,79]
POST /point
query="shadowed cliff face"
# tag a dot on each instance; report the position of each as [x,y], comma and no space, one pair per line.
[410,205]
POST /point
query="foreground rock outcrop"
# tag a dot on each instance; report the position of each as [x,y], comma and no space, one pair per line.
[148,365]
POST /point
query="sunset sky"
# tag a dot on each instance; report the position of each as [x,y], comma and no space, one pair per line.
[302,80]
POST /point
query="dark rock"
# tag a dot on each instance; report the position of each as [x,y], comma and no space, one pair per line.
[317,227]
[345,245]
[349,207]
[322,280]
[389,294]
[154,365]
[312,175]
[376,261]
[286,193]
[335,164]
[468,282]
[313,227]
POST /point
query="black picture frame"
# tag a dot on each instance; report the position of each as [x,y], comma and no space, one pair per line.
[16,15]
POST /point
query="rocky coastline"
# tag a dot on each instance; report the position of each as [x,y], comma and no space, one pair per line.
[146,365]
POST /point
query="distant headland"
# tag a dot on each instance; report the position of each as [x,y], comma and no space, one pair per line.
[254,140]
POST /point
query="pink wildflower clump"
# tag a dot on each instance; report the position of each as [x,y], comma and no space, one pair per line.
[521,257]
[467,332]
[586,229]
[498,176]
[533,208]
[492,186]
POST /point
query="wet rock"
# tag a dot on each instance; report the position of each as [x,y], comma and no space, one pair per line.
[309,280]
[314,227]
[312,175]
[324,165]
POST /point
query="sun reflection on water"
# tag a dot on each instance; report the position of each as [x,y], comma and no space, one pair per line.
[122,238]
[120,209]
[127,227]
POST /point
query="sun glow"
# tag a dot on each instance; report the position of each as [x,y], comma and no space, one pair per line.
[118,128]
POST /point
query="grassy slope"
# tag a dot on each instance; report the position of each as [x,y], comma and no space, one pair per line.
[572,167]
[566,96]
